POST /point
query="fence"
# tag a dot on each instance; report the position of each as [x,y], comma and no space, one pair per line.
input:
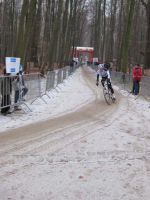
[13,91]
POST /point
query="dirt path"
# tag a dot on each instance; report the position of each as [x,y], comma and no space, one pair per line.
[31,138]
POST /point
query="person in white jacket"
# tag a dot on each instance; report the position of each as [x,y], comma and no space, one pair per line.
[103,71]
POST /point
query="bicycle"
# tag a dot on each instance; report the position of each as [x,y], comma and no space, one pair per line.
[107,94]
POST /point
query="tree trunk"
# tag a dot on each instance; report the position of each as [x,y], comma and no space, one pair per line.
[112,31]
[147,51]
[127,36]
[104,30]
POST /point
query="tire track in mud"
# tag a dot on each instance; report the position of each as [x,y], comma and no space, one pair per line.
[50,143]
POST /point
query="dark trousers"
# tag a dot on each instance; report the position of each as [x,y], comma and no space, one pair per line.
[136,87]
[108,82]
[16,96]
[6,101]
[23,93]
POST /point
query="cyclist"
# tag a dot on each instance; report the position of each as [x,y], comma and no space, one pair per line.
[103,71]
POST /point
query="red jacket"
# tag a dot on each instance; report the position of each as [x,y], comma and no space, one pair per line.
[137,73]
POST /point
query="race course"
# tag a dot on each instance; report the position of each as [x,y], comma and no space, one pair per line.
[96,151]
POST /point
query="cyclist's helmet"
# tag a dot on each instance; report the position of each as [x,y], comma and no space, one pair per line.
[107,65]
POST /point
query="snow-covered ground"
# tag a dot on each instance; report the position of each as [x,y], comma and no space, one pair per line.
[67,97]
[103,156]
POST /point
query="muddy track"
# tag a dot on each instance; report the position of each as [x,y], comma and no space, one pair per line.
[50,136]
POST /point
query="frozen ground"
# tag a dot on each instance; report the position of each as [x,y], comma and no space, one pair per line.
[76,146]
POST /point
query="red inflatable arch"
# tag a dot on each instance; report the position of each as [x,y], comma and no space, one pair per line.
[84,51]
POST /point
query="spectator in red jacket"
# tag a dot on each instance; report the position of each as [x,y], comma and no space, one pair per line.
[137,74]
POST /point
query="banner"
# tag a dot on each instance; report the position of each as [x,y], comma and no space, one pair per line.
[12,65]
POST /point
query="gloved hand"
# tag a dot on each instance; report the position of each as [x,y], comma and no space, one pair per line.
[97,83]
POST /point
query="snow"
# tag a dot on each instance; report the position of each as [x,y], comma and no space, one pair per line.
[105,161]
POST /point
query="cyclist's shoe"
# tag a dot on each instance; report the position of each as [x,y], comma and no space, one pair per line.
[97,83]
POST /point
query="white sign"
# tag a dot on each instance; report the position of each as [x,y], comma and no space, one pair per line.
[12,65]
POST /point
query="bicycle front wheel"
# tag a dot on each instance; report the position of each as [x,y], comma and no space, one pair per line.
[107,96]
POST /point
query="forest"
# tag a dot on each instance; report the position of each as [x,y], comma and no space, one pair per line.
[45,32]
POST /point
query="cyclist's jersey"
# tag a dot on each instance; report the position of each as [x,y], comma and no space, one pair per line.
[103,71]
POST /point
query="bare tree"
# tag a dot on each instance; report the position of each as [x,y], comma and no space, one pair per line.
[127,35]
[147,49]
